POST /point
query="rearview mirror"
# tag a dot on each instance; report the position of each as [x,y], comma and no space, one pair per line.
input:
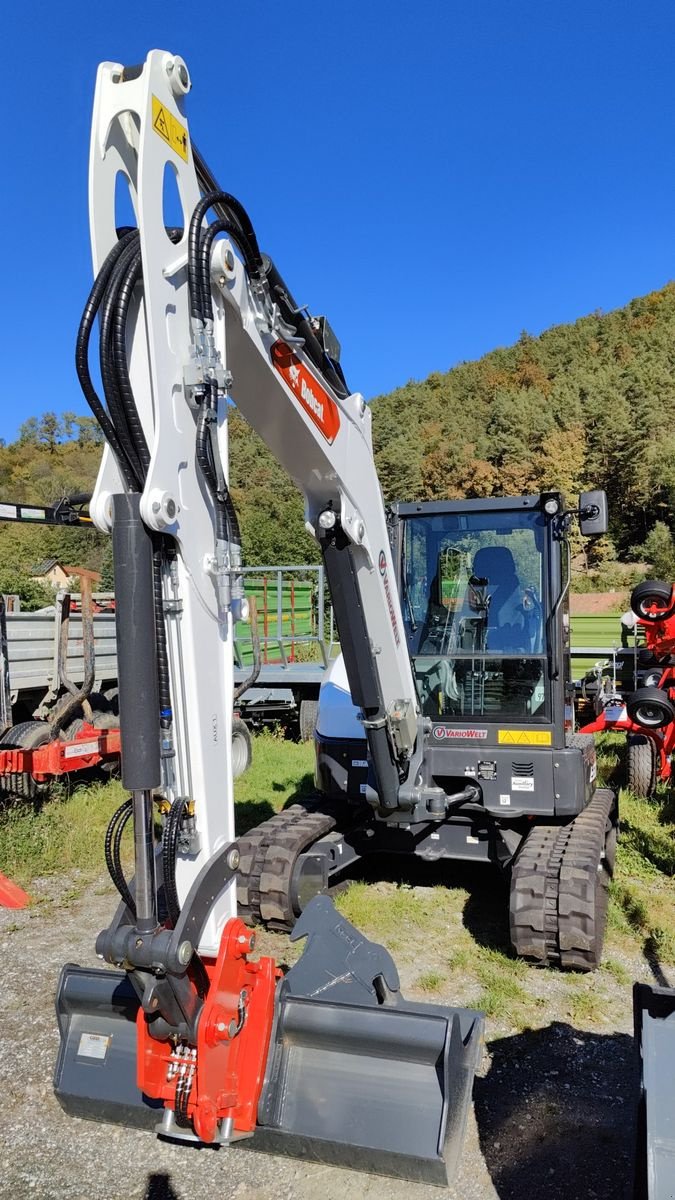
[592,513]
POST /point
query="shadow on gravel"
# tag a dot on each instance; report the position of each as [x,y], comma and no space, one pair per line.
[159,1188]
[556,1114]
[486,912]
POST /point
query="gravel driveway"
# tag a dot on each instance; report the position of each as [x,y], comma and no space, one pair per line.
[553,1112]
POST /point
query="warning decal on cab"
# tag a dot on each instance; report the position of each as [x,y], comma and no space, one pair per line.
[309,393]
[524,737]
[169,128]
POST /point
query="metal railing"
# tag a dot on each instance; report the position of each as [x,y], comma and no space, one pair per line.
[280,623]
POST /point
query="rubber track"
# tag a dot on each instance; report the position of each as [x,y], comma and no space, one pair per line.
[559,889]
[268,855]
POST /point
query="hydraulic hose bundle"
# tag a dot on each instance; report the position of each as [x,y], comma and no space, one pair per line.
[110,299]
[113,858]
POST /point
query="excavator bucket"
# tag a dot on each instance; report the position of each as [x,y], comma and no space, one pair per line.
[355,1075]
[654,1016]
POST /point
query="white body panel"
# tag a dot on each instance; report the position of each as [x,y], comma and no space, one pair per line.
[338,715]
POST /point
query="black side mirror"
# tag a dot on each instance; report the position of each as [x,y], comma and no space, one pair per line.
[593,514]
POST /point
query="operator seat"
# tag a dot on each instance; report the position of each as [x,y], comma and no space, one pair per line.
[506,620]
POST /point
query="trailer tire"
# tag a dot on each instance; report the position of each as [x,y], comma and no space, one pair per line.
[650,707]
[309,712]
[642,761]
[242,747]
[653,594]
[28,735]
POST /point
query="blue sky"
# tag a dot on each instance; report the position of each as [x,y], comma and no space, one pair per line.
[436,176]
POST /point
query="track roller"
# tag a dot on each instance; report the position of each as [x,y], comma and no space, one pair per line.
[559,888]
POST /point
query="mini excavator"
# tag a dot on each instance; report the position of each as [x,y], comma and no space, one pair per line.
[184,1030]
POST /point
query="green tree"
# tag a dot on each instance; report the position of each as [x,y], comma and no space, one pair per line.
[659,551]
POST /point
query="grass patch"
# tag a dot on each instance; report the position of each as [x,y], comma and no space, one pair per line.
[431,981]
[502,995]
[65,834]
[611,751]
[586,1004]
[390,911]
[617,971]
[648,831]
[641,895]
[280,773]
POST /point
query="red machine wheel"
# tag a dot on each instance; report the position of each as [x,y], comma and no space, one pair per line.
[653,600]
[650,707]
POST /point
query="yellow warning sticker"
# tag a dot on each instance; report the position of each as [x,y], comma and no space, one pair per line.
[524,737]
[169,128]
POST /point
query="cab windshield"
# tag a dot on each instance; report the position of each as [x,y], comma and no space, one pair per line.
[471,592]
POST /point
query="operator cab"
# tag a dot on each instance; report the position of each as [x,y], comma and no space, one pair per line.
[474,593]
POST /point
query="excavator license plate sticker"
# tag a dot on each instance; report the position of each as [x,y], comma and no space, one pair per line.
[93,1045]
[169,128]
[524,737]
[313,399]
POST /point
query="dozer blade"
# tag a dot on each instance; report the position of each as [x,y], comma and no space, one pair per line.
[654,1016]
[356,1076]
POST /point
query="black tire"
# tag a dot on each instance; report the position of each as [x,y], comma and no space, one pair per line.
[642,761]
[653,600]
[27,735]
[307,718]
[242,747]
[650,707]
[652,678]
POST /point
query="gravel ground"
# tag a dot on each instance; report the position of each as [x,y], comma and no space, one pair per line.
[553,1111]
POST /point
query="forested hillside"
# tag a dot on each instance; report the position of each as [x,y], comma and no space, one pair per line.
[588,404]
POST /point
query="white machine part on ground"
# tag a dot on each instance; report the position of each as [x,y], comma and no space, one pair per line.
[190,1035]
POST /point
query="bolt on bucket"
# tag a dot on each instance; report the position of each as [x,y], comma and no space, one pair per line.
[356,1076]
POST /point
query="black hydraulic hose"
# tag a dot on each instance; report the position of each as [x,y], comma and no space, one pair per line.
[208,459]
[113,839]
[259,266]
[123,420]
[119,348]
[230,210]
[235,531]
[205,263]
[172,825]
[204,457]
[82,358]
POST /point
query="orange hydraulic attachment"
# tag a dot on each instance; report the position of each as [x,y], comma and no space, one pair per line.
[223,1075]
